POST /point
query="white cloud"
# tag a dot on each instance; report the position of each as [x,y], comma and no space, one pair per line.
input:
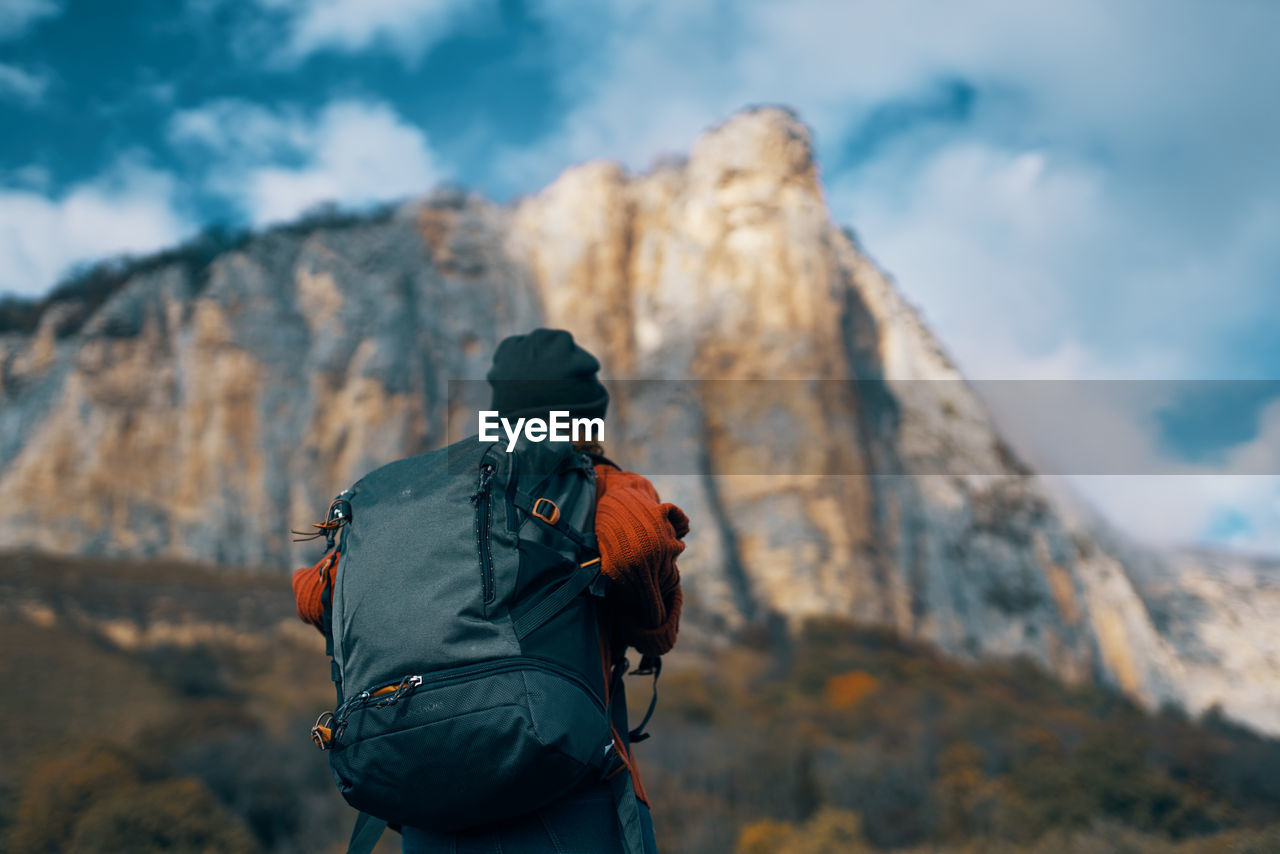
[1014,255]
[1133,145]
[1028,265]
[1179,510]
[274,165]
[17,16]
[1107,210]
[407,28]
[1098,438]
[22,85]
[129,209]
[238,131]
[980,237]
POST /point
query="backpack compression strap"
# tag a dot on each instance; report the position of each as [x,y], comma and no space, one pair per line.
[327,573]
[628,807]
[557,600]
[548,513]
[366,833]
[648,664]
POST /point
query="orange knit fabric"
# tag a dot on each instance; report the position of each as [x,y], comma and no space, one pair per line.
[639,538]
[309,584]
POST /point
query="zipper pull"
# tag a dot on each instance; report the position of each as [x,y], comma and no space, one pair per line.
[408,684]
[482,489]
[322,732]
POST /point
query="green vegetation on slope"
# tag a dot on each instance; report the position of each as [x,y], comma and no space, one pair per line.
[164,707]
[161,705]
[851,731]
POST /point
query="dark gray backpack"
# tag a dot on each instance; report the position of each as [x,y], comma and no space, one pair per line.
[464,637]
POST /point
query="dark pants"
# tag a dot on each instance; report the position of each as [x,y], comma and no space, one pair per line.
[582,823]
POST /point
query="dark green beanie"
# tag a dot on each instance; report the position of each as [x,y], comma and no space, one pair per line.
[545,370]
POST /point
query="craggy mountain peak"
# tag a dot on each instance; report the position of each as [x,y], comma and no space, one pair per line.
[200,403]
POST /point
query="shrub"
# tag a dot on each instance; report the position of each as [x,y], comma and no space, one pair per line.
[829,831]
[59,791]
[178,816]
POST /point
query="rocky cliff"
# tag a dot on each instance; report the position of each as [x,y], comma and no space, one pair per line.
[201,410]
[1220,614]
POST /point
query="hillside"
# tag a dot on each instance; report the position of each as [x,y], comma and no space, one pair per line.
[192,690]
[198,405]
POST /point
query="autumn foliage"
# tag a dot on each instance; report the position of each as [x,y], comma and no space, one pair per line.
[838,738]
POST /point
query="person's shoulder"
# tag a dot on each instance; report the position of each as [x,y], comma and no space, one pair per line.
[618,481]
[598,460]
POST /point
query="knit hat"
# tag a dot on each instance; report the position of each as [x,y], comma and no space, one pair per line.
[544,370]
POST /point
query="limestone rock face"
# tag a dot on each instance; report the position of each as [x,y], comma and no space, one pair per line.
[1219,612]
[203,412]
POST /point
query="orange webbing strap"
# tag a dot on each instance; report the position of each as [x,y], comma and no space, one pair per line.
[626,789]
[627,804]
[630,762]
[328,565]
[624,753]
[328,574]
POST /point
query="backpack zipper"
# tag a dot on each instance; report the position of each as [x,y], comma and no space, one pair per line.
[411,684]
[482,498]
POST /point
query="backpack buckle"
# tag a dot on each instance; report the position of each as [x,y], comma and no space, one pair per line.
[613,762]
[551,515]
[322,732]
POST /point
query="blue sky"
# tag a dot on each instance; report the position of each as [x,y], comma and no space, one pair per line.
[1066,190]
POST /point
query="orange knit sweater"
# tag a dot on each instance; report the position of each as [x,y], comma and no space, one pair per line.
[639,537]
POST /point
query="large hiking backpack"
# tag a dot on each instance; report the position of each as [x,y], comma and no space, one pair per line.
[463,631]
